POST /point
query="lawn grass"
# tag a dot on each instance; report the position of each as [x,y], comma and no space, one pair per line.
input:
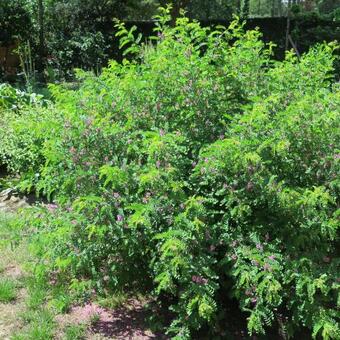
[27,298]
[8,287]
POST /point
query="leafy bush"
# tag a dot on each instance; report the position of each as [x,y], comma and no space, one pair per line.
[200,170]
[22,116]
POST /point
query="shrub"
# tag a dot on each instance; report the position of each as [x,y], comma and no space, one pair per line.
[24,123]
[197,170]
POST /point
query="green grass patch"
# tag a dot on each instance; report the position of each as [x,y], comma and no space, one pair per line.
[7,290]
[75,332]
[40,326]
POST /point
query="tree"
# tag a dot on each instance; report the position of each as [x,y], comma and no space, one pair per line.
[15,21]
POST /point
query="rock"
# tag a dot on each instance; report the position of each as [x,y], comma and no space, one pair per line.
[6,193]
[10,201]
[14,199]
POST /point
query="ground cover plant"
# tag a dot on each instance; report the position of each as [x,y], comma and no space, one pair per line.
[199,170]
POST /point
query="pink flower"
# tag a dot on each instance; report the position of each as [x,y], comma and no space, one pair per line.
[199,280]
[88,121]
[161,132]
[120,218]
[249,292]
[51,207]
[160,35]
[267,267]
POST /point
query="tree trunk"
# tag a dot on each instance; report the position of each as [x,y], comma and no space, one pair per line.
[41,23]
[288,25]
[177,5]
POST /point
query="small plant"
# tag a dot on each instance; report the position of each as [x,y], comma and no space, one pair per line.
[115,301]
[94,318]
[27,64]
[7,290]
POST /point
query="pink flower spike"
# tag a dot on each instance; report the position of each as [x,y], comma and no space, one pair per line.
[52,207]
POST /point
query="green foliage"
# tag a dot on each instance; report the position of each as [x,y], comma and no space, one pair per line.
[15,21]
[199,169]
[21,134]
